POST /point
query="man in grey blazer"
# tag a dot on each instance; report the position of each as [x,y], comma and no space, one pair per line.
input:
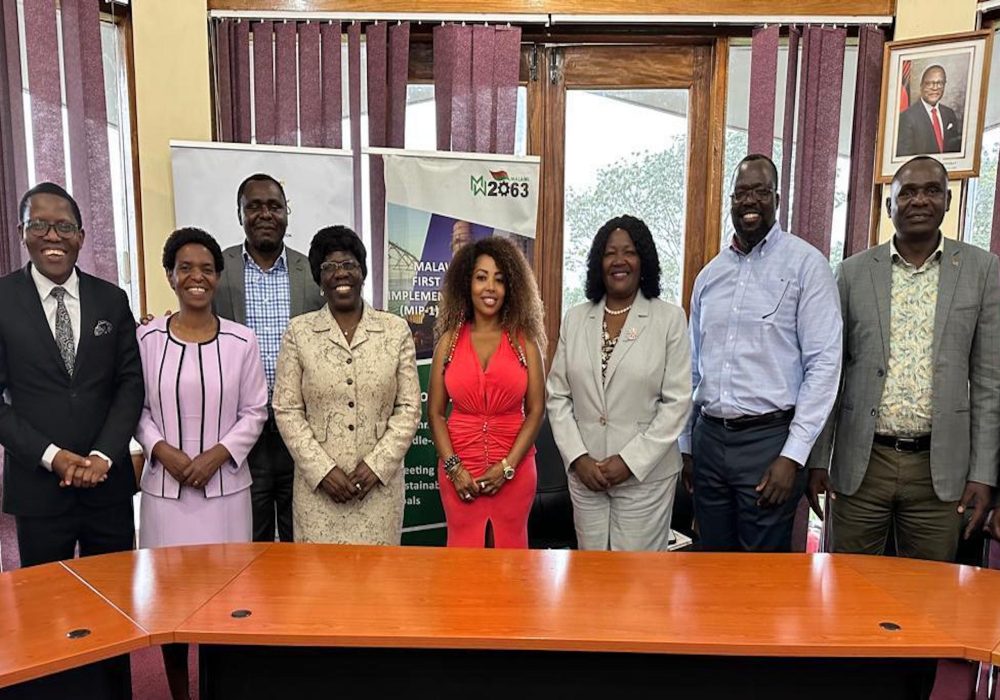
[915,433]
[265,283]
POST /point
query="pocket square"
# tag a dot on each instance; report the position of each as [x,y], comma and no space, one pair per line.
[102,328]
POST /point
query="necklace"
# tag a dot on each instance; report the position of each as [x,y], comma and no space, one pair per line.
[617,312]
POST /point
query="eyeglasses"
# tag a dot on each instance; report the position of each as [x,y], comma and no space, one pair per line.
[40,228]
[757,194]
[259,207]
[934,83]
[331,266]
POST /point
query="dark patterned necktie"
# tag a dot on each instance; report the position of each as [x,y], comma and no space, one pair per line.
[64,330]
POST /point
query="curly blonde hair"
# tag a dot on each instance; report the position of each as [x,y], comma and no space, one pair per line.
[521,314]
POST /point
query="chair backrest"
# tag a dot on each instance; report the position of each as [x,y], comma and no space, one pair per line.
[550,523]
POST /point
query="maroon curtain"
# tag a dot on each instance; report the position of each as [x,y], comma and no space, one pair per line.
[788,125]
[819,134]
[13,154]
[90,160]
[475,84]
[333,94]
[354,105]
[388,62]
[231,51]
[263,82]
[44,90]
[310,86]
[863,140]
[763,89]
[286,95]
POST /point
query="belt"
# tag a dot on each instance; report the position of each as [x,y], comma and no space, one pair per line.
[921,443]
[745,422]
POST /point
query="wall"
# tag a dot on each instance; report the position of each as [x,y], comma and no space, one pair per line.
[171,60]
[919,18]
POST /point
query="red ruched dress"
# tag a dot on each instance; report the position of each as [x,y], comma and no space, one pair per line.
[487,414]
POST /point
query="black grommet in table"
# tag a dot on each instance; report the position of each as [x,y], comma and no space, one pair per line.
[241,613]
[889,626]
[78,633]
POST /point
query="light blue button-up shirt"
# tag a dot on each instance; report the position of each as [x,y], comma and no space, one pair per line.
[766,335]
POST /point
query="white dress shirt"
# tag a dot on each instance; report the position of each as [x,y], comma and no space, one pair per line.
[49,305]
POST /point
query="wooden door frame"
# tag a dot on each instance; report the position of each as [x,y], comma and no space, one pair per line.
[699,66]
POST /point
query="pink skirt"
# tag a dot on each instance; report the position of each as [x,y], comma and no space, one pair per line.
[194,519]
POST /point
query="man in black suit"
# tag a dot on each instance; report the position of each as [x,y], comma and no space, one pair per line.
[264,284]
[929,126]
[72,388]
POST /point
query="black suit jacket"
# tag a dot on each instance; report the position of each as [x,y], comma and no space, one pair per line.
[916,133]
[95,409]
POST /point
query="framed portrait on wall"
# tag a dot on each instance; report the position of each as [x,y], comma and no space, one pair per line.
[934,102]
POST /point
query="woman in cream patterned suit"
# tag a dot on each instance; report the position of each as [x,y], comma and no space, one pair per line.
[347,403]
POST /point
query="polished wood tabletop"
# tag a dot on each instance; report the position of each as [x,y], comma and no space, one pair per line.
[684,603]
[51,621]
[160,588]
[961,600]
[787,605]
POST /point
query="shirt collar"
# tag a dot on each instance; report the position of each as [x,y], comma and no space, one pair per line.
[280,264]
[45,286]
[773,236]
[936,255]
[929,107]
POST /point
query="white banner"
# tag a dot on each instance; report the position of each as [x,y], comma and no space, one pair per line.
[497,191]
[318,184]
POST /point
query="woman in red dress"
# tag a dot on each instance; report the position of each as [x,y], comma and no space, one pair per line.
[488,366]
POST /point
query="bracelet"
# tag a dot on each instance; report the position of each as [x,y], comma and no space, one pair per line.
[452,464]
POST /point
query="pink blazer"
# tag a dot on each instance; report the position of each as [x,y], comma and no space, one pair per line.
[233,394]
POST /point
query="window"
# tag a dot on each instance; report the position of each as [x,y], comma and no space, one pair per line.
[982,190]
[113,44]
[737,118]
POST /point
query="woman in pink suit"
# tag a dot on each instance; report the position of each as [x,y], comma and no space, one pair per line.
[206,403]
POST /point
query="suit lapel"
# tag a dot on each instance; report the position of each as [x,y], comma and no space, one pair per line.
[369,324]
[635,323]
[34,317]
[325,324]
[237,287]
[296,276]
[951,268]
[593,334]
[88,319]
[881,271]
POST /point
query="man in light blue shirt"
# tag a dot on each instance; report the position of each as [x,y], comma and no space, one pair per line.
[766,345]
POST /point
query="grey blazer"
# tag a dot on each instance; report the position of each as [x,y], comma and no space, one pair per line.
[230,295]
[965,438]
[641,408]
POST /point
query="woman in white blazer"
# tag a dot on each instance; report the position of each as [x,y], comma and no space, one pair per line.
[619,393]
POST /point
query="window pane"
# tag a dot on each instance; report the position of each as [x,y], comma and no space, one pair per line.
[626,153]
[982,190]
[421,121]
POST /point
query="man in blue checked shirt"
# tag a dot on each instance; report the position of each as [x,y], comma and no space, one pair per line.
[766,348]
[265,283]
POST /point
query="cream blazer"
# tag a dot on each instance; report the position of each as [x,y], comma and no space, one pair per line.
[338,404]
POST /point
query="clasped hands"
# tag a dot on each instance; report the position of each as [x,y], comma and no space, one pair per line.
[342,487]
[194,472]
[775,487]
[487,484]
[80,472]
[600,475]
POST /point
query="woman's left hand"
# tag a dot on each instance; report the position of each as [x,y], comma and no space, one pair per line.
[614,469]
[491,481]
[203,467]
[363,479]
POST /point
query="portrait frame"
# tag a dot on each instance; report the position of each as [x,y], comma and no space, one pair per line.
[905,128]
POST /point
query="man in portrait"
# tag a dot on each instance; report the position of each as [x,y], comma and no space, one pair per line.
[928,126]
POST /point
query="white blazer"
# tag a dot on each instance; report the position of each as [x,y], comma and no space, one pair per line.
[641,407]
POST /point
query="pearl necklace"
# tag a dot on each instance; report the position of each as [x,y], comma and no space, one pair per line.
[617,312]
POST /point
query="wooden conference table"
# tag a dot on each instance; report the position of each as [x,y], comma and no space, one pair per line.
[292,620]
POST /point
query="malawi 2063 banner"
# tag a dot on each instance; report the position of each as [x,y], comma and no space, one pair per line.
[436,203]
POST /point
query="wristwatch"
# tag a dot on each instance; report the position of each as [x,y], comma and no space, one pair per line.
[508,471]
